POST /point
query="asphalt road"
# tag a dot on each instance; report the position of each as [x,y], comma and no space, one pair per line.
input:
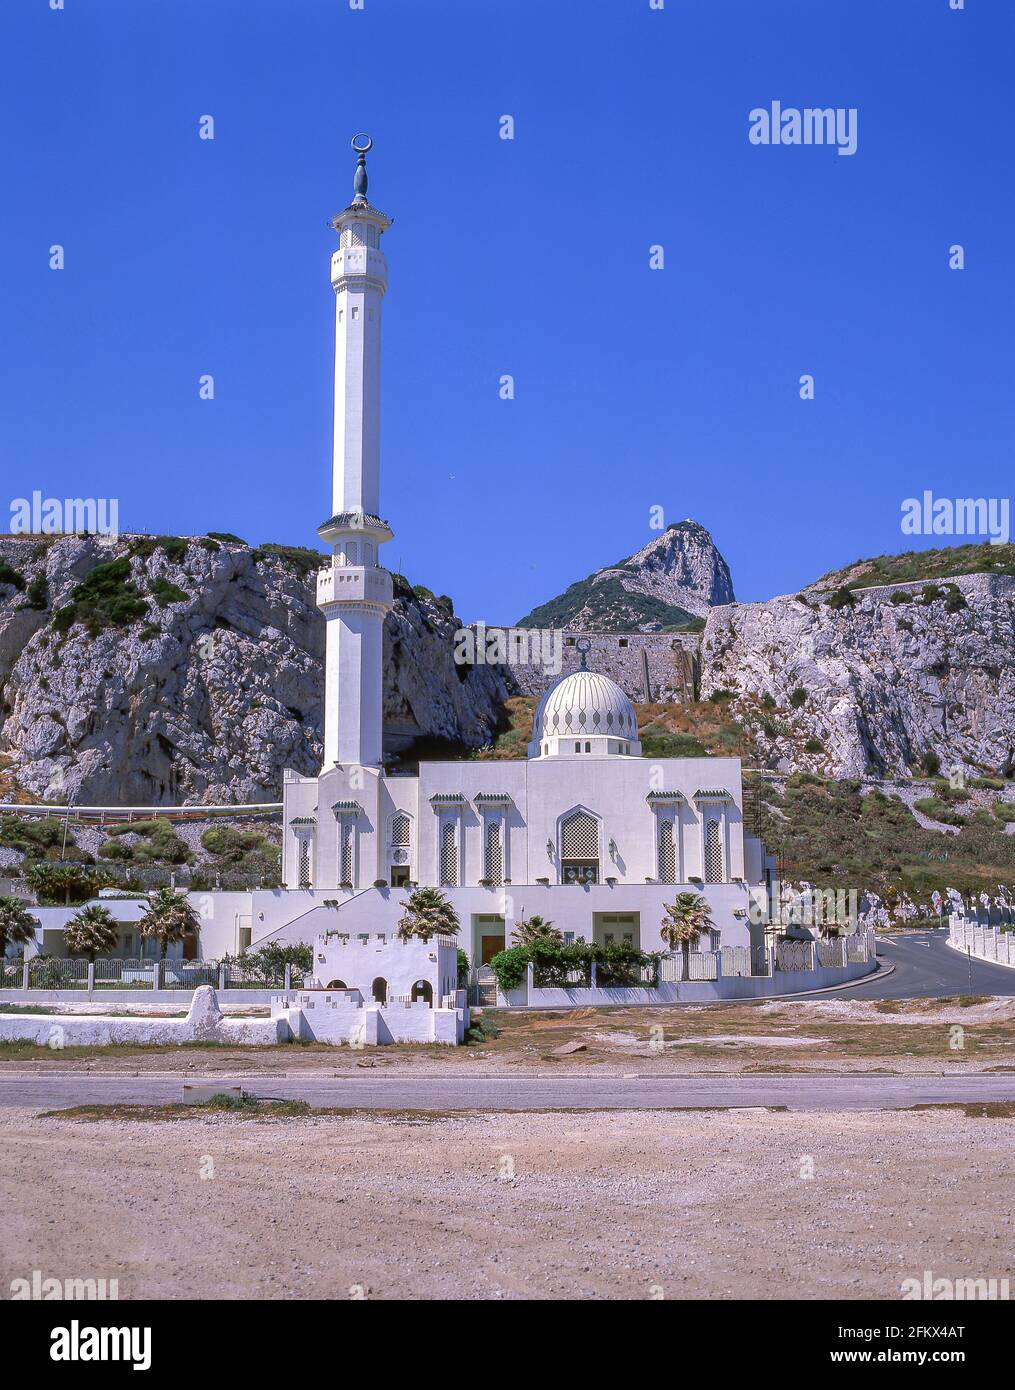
[858,1092]
[926,967]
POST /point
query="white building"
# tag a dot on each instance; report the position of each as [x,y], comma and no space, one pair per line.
[586,831]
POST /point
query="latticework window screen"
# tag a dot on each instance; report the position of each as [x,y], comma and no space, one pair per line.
[579,837]
[667,852]
[304,857]
[400,831]
[449,855]
[493,867]
[713,852]
[347,851]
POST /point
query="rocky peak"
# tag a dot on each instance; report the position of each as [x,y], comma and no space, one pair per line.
[676,577]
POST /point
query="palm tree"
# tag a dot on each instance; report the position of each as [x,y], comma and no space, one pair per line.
[536,931]
[17,925]
[427,913]
[48,880]
[91,932]
[686,920]
[169,917]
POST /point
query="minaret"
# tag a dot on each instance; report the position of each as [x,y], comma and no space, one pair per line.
[355,593]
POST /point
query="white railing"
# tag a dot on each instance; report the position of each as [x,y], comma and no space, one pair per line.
[794,955]
[736,960]
[832,952]
[700,965]
[986,943]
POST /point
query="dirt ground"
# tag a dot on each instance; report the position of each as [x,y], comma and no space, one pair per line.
[602,1206]
[971,1034]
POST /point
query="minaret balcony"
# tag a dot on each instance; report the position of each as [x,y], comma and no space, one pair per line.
[353,524]
[354,584]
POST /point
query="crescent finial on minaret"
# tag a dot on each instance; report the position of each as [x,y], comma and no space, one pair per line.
[362,145]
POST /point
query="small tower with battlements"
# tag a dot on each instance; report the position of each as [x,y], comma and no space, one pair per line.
[354,592]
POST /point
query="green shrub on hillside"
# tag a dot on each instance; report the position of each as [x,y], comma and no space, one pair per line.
[939,810]
[106,597]
[164,592]
[11,576]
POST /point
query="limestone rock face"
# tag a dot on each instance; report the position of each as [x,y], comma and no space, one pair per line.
[883,683]
[214,689]
[677,576]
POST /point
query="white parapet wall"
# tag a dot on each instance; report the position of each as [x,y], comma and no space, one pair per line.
[343,1017]
[983,942]
[204,1023]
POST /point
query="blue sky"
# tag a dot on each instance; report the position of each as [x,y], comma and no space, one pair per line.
[634,388]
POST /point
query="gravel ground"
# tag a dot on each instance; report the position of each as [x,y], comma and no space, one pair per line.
[602,1206]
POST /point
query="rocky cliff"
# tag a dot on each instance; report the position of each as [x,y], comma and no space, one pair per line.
[881,680]
[156,670]
[677,577]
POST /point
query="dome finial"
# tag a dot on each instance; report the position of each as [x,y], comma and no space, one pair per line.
[583,646]
[362,145]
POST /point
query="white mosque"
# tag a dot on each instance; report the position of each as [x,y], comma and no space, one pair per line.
[585,832]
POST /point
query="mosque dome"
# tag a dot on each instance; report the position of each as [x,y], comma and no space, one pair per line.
[584,713]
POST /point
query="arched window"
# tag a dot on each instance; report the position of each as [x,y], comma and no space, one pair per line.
[347,866]
[423,989]
[579,848]
[400,831]
[713,852]
[303,855]
[380,990]
[493,859]
[336,984]
[667,852]
[449,855]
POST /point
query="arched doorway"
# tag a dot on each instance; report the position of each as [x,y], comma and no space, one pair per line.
[336,984]
[380,990]
[423,989]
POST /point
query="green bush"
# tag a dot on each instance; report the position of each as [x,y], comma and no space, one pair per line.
[11,576]
[115,849]
[842,598]
[175,547]
[106,597]
[509,967]
[37,593]
[814,745]
[901,596]
[164,592]
[660,743]
[1004,810]
[302,559]
[226,536]
[939,810]
[798,698]
[33,837]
